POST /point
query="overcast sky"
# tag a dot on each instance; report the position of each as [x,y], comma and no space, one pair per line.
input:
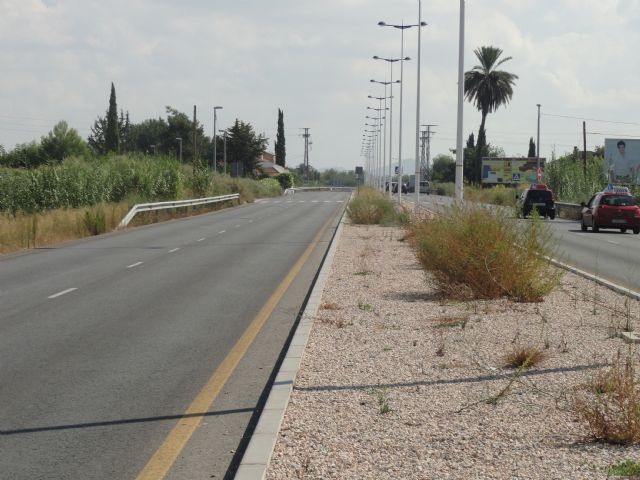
[312,59]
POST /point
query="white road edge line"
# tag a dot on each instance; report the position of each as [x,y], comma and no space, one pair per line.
[174,250]
[64,292]
[134,264]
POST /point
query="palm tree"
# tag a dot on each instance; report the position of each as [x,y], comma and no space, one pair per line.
[487,88]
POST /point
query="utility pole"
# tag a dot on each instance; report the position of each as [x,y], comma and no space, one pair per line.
[426,158]
[584,150]
[306,136]
[538,143]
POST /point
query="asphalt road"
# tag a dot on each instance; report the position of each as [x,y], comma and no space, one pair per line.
[105,343]
[609,254]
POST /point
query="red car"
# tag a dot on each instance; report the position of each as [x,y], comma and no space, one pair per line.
[613,208]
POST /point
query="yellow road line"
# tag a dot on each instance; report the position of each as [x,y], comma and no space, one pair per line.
[165,456]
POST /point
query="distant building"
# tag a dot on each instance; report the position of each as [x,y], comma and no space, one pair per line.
[268,166]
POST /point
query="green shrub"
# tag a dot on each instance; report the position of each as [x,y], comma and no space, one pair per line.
[472,252]
[444,189]
[285,179]
[371,206]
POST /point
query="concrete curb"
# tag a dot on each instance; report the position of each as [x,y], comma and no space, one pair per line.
[258,454]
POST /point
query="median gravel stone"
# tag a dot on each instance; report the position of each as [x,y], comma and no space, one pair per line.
[397,383]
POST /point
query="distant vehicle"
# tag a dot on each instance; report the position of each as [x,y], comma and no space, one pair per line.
[539,197]
[612,208]
[394,187]
[424,185]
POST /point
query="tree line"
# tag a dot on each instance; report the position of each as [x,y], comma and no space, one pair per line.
[177,135]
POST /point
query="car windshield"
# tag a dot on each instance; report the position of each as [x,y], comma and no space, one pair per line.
[618,200]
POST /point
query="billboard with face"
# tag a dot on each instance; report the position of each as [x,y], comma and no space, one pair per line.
[622,160]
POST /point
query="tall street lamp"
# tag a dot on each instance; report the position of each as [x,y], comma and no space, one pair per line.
[418,160]
[224,154]
[402,27]
[538,144]
[459,151]
[180,147]
[385,180]
[380,118]
[391,61]
[214,135]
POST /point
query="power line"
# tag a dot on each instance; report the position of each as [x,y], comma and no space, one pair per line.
[589,119]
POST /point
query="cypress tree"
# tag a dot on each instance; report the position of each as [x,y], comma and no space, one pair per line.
[532,148]
[112,133]
[280,149]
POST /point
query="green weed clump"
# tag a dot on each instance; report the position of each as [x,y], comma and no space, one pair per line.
[473,252]
[371,206]
[610,404]
[497,195]
[628,468]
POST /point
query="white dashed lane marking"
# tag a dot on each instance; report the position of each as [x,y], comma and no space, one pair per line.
[64,292]
[133,265]
[201,239]
[222,231]
[173,250]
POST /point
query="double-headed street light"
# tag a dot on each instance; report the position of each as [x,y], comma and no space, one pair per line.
[378,118]
[391,61]
[215,135]
[385,180]
[402,27]
[381,164]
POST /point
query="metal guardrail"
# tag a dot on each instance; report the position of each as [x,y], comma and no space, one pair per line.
[147,207]
[291,191]
[574,206]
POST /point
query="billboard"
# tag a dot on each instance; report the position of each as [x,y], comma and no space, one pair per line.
[510,170]
[622,160]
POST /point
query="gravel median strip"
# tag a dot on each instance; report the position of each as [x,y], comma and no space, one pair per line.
[397,383]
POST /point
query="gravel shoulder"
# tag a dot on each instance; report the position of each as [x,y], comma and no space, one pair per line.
[395,381]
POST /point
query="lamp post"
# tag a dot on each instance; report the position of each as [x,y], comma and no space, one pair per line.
[214,135]
[369,136]
[459,151]
[538,145]
[380,149]
[391,61]
[377,110]
[418,173]
[380,118]
[224,154]
[180,148]
[402,27]
[374,166]
[385,180]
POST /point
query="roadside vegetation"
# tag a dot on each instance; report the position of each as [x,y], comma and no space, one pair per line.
[370,206]
[470,252]
[609,404]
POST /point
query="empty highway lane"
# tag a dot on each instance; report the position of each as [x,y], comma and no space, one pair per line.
[144,353]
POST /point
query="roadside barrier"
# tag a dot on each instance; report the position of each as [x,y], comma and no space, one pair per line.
[146,207]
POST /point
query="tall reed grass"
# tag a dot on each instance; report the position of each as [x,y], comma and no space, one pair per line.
[78,183]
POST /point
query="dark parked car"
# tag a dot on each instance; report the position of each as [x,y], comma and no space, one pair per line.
[394,187]
[613,208]
[538,196]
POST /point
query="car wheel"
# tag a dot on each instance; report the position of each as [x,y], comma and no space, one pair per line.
[583,227]
[623,230]
[595,228]
[552,215]
[636,230]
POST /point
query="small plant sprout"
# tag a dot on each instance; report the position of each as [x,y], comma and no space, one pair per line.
[383,402]
[365,307]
